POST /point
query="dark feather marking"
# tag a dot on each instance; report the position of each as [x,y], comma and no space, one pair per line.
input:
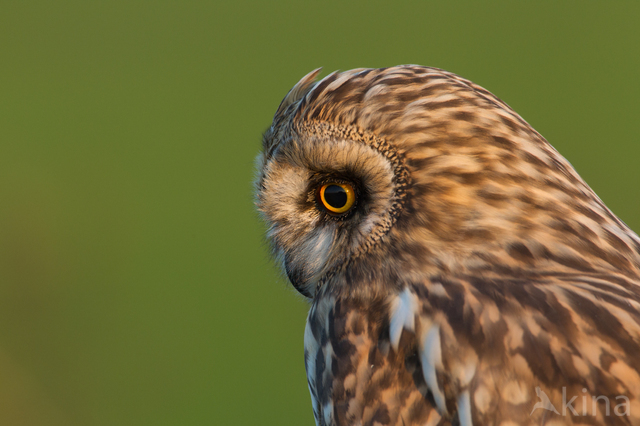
[571,262]
[407,97]
[342,349]
[587,245]
[492,289]
[456,142]
[419,411]
[612,294]
[453,103]
[528,200]
[346,94]
[429,129]
[512,125]
[586,231]
[320,89]
[381,416]
[402,81]
[562,187]
[408,252]
[532,159]
[464,116]
[315,325]
[464,178]
[557,317]
[435,77]
[491,197]
[322,388]
[508,158]
[540,359]
[520,252]
[590,213]
[494,346]
[357,325]
[421,290]
[607,325]
[503,142]
[420,163]
[568,277]
[433,90]
[616,241]
[422,189]
[460,317]
[566,364]
[476,234]
[606,359]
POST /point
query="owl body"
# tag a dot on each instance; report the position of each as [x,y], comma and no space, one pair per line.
[459,270]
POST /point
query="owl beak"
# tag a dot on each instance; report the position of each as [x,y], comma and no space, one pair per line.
[298,280]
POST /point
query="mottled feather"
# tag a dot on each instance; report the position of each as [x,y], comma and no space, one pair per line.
[477,272]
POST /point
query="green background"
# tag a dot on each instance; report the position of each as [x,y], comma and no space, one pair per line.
[135,288]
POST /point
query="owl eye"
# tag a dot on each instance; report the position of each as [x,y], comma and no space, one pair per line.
[337,197]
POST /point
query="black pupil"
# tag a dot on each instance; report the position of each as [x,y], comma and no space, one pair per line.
[335,196]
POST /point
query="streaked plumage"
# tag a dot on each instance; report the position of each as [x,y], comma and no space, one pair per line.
[476,273]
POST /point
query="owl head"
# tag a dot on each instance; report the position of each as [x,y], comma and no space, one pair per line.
[373,178]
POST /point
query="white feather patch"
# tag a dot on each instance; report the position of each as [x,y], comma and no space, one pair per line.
[464,409]
[431,359]
[404,308]
[327,412]
[311,347]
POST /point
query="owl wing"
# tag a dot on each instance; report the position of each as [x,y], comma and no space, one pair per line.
[479,351]
[493,350]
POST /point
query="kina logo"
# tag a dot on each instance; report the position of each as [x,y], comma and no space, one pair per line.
[544,402]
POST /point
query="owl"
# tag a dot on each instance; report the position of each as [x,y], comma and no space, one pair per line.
[459,271]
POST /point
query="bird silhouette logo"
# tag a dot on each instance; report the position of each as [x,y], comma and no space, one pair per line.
[544,402]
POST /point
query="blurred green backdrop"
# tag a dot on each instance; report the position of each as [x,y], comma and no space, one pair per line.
[134,285]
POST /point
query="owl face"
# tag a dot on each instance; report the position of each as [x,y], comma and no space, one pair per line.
[373,178]
[326,196]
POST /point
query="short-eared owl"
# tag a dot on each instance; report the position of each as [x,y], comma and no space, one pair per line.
[459,269]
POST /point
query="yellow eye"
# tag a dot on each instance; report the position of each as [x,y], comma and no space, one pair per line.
[337,197]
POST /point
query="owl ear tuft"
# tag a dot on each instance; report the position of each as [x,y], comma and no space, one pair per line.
[299,90]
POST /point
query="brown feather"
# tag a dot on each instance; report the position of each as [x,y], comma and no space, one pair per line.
[476,271]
